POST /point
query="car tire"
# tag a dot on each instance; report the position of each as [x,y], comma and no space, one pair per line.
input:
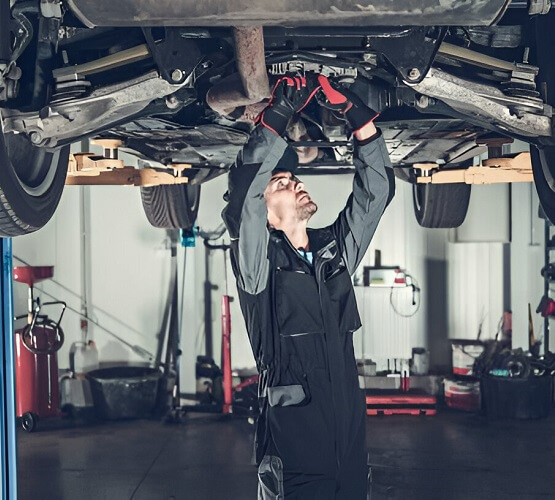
[543,166]
[543,159]
[171,206]
[29,421]
[440,205]
[31,183]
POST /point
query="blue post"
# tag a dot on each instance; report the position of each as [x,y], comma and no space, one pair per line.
[8,452]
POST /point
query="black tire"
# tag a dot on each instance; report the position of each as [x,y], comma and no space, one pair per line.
[29,421]
[543,166]
[31,183]
[171,206]
[543,159]
[440,205]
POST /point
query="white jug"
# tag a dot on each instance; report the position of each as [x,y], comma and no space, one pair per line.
[83,357]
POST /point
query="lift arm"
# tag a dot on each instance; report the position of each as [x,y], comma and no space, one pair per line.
[492,171]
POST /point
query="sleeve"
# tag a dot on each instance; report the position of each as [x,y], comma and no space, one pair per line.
[245,215]
[373,189]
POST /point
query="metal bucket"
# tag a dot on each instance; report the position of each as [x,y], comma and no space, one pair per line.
[462,394]
[124,391]
[465,352]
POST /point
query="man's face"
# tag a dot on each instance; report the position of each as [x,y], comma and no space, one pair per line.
[287,199]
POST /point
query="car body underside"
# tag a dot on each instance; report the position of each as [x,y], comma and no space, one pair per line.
[182,82]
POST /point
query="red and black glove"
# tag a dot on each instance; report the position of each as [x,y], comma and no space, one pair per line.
[346,103]
[291,94]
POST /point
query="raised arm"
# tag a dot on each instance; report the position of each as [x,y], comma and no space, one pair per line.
[373,183]
[373,188]
[245,214]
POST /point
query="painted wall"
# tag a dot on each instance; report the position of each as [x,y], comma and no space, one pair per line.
[526,261]
[129,266]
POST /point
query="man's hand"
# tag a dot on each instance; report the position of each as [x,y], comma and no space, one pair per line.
[347,103]
[291,94]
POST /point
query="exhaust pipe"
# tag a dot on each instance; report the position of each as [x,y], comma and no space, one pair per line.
[250,85]
[251,62]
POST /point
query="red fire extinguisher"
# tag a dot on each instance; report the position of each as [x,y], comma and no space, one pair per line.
[36,361]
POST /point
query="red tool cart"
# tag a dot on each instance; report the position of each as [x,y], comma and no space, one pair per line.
[36,361]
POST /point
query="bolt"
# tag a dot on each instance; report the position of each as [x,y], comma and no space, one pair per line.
[414,74]
[172,102]
[177,75]
[423,101]
[36,137]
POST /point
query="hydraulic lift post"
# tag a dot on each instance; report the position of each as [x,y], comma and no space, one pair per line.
[8,454]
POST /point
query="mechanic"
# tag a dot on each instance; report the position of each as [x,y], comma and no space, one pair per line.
[297,297]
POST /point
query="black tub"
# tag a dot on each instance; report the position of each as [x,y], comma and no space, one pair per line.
[124,391]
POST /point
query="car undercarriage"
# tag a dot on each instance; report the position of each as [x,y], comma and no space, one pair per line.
[181,83]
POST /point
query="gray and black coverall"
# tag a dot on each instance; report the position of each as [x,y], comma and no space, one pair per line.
[300,318]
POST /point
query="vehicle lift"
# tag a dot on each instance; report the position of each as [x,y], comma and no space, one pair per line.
[87,169]
[8,453]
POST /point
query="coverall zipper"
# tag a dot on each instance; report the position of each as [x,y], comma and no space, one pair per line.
[318,267]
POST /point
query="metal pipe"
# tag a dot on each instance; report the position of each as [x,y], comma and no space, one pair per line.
[228,95]
[250,85]
[115,60]
[251,62]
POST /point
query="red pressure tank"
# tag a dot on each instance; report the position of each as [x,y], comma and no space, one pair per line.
[37,388]
[36,362]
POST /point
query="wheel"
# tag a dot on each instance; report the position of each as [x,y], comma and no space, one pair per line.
[543,166]
[440,205]
[29,421]
[31,184]
[543,159]
[171,206]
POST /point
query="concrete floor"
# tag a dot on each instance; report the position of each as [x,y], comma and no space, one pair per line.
[447,456]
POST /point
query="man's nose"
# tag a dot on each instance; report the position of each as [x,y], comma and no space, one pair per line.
[299,186]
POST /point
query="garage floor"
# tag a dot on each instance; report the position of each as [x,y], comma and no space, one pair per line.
[448,456]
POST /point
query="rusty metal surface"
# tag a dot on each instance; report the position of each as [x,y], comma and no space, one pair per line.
[228,94]
[288,12]
[251,63]
[250,85]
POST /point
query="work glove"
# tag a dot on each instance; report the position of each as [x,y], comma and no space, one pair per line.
[291,94]
[345,103]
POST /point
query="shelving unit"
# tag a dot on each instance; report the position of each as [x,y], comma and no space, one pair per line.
[549,257]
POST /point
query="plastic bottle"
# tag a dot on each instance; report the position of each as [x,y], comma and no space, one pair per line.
[83,357]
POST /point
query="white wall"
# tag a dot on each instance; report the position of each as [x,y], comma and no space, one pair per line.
[129,268]
[527,260]
[129,263]
[402,241]
[127,274]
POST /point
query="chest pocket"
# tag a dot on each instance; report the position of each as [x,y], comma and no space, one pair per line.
[343,302]
[300,323]
[298,303]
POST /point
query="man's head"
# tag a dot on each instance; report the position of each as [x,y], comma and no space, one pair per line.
[287,201]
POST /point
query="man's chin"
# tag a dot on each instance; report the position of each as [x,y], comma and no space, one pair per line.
[308,210]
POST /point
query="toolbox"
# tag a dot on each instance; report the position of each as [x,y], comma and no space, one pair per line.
[413,402]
